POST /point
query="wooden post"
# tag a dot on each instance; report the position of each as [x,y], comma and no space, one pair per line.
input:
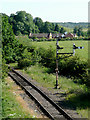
[56,64]
[56,74]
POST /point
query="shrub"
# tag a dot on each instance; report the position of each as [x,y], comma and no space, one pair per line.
[73,67]
[24,63]
[69,66]
[29,57]
[47,56]
[4,69]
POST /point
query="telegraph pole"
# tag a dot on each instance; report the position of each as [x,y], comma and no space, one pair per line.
[56,64]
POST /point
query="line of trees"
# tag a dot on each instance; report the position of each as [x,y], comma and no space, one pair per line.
[73,24]
[79,31]
[23,23]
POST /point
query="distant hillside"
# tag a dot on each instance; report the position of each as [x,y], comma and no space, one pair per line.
[72,24]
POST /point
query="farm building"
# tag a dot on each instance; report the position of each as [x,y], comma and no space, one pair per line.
[51,35]
[54,35]
[41,35]
[69,35]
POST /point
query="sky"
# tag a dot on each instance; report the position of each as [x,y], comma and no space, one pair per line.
[49,10]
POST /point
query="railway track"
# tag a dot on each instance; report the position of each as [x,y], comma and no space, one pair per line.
[47,105]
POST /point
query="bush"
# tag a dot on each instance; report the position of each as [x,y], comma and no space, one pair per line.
[47,56]
[29,57]
[4,69]
[11,50]
[74,67]
[24,63]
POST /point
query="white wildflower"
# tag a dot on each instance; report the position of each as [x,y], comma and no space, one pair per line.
[12,114]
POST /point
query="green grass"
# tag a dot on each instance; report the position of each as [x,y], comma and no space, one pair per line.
[76,94]
[83,53]
[69,30]
[11,108]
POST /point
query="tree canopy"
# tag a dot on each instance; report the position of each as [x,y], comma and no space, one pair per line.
[10,46]
[78,31]
[23,23]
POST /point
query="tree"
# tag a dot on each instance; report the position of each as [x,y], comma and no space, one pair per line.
[53,26]
[36,30]
[39,23]
[57,28]
[62,30]
[10,45]
[79,31]
[20,26]
[75,30]
[22,22]
[47,27]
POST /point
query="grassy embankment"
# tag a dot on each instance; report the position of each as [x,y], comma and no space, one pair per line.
[12,106]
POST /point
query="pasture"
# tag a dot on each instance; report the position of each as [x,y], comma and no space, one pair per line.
[68,46]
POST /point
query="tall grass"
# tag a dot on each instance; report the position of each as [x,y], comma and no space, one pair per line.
[11,108]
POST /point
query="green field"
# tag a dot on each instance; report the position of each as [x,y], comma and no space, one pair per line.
[68,46]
